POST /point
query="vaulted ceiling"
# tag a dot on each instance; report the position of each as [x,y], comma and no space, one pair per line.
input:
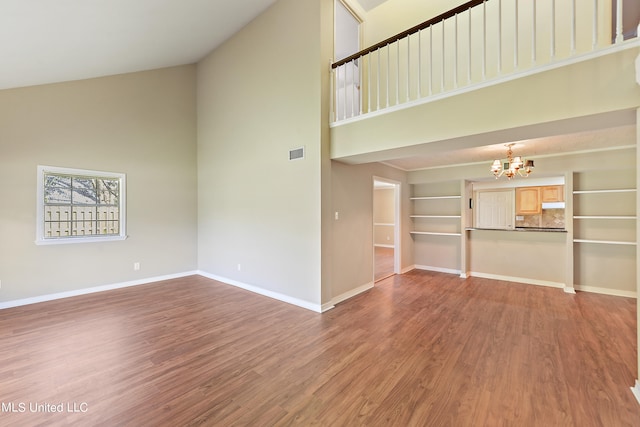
[44,41]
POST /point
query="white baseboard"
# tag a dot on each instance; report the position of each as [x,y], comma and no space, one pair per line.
[264,292]
[407,269]
[636,391]
[85,291]
[352,293]
[606,291]
[524,280]
[438,269]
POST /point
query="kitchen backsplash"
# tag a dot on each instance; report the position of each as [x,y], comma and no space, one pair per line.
[549,218]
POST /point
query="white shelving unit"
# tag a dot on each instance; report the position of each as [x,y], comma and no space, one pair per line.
[427,216]
[606,217]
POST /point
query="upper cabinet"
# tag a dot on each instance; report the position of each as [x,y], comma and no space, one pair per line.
[528,201]
[552,193]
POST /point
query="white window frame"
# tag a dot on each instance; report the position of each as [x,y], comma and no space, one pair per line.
[40,206]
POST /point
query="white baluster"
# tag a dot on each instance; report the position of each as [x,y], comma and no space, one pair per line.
[455,53]
[469,51]
[443,60]
[408,63]
[369,82]
[595,25]
[378,81]
[397,72]
[353,87]
[419,90]
[430,59]
[388,70]
[553,29]
[484,40]
[516,38]
[573,27]
[344,92]
[499,36]
[533,34]
[360,79]
[619,34]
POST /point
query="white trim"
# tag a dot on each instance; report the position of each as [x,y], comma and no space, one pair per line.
[437,269]
[377,245]
[85,291]
[606,291]
[408,269]
[318,308]
[633,43]
[352,293]
[122,208]
[524,280]
[636,391]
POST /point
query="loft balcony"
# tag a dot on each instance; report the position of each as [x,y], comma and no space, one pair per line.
[484,69]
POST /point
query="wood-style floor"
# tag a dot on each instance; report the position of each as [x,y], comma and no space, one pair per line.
[384,265]
[419,349]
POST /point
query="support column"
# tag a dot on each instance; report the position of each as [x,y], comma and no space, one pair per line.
[568,197]
[636,389]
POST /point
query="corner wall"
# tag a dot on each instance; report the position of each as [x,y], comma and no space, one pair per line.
[141,124]
[259,96]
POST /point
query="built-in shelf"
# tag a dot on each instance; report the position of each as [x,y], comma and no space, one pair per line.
[435,233]
[620,190]
[435,216]
[435,197]
[604,217]
[605,242]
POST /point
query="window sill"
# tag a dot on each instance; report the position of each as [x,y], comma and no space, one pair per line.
[72,240]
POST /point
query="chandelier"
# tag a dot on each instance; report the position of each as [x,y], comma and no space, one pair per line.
[513,166]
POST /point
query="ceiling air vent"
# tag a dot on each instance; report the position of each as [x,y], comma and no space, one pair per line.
[296,153]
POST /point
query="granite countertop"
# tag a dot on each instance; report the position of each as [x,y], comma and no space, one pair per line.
[525,229]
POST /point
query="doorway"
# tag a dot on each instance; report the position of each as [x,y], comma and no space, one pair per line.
[386,235]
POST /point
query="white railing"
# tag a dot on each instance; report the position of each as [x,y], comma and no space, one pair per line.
[475,43]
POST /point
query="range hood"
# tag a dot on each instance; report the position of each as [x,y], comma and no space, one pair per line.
[553,205]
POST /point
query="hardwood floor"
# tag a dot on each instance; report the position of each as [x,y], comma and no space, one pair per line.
[419,349]
[384,264]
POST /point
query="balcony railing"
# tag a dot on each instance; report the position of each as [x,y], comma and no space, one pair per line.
[471,45]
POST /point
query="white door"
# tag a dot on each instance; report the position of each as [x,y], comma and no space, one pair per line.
[495,209]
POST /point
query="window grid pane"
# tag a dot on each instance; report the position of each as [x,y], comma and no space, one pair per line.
[76,206]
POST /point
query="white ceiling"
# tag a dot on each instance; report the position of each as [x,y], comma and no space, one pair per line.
[592,140]
[370,4]
[46,41]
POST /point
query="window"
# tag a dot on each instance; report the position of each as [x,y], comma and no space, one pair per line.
[79,206]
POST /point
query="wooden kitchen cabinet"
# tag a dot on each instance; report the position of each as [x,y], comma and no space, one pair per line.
[552,193]
[528,201]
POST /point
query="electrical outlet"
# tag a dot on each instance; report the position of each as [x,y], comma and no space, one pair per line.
[239,267]
[136,266]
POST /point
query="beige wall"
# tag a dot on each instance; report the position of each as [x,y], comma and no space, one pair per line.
[352,188]
[260,95]
[141,124]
